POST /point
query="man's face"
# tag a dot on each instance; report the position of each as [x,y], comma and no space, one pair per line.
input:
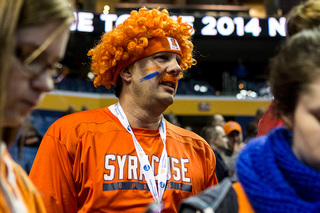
[234,137]
[218,120]
[221,140]
[155,79]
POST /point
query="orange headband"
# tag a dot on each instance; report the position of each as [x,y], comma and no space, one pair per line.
[155,45]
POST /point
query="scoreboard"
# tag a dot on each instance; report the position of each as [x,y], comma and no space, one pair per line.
[224,26]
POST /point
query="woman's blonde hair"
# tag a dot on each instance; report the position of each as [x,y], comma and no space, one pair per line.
[9,15]
[303,16]
[19,13]
[130,39]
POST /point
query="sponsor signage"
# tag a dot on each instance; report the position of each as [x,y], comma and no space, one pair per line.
[209,26]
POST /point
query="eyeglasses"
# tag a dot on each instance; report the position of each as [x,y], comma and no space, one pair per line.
[39,65]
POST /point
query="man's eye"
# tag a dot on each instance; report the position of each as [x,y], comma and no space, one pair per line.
[317,117]
[162,57]
[316,114]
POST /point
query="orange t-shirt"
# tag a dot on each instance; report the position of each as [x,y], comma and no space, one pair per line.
[87,162]
[25,190]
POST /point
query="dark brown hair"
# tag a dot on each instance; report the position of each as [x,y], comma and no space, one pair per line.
[294,68]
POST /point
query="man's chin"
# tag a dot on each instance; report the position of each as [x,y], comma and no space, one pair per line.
[169,101]
[165,100]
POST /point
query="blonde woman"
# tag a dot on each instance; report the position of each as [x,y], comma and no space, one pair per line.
[33,39]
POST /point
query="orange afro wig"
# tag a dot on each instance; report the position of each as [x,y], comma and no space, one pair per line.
[130,39]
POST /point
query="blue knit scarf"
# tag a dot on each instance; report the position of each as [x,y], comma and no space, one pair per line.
[274,179]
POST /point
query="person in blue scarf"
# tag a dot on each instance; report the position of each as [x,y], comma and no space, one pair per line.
[280,172]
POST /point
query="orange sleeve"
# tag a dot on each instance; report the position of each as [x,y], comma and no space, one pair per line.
[52,175]
[28,192]
[269,120]
[211,163]
[244,204]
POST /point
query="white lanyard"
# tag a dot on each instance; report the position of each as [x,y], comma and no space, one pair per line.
[157,193]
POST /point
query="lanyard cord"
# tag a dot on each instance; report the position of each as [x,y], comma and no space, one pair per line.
[157,192]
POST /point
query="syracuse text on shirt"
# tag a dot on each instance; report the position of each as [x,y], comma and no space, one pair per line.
[123,168]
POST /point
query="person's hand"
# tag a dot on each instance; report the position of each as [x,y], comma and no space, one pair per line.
[238,147]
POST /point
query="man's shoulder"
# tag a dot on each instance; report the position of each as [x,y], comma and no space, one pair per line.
[176,130]
[80,122]
[88,116]
[185,136]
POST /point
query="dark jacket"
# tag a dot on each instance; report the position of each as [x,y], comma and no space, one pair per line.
[227,197]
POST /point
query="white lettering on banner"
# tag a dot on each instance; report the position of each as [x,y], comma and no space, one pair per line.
[223,26]
[122,18]
[108,21]
[111,19]
[85,22]
[210,23]
[188,19]
[239,22]
[253,27]
[117,164]
[277,27]
[226,26]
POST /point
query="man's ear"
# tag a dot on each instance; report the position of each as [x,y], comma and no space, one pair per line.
[126,74]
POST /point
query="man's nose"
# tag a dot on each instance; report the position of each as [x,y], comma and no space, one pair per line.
[174,68]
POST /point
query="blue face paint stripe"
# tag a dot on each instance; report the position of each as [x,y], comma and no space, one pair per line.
[149,76]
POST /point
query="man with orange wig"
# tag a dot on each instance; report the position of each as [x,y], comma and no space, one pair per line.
[124,157]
